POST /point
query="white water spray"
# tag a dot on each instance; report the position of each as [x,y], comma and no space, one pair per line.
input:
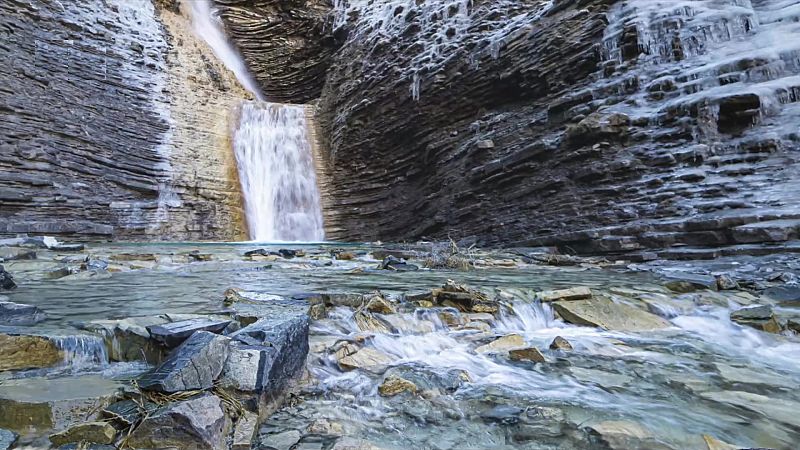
[276,170]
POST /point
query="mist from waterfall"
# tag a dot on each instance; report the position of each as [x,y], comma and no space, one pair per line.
[276,171]
[272,148]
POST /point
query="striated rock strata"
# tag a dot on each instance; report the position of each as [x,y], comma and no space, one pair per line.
[597,125]
[115,123]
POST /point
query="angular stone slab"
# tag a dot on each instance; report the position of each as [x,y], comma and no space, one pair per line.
[172,334]
[19,314]
[267,354]
[603,313]
[576,293]
[192,366]
[196,423]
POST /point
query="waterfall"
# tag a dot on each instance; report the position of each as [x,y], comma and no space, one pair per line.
[276,171]
[272,148]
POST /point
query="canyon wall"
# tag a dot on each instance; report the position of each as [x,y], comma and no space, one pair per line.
[115,123]
[596,125]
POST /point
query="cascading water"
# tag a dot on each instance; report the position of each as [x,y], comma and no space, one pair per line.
[276,170]
[273,152]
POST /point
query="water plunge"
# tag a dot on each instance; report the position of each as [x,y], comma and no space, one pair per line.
[276,171]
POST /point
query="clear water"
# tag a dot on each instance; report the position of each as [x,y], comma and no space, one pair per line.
[703,375]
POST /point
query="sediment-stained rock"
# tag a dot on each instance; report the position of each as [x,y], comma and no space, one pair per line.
[27,352]
[199,422]
[116,123]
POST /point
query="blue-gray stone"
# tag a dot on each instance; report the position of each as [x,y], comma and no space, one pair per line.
[195,365]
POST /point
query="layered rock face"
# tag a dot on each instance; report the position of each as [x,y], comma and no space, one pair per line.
[598,125]
[115,123]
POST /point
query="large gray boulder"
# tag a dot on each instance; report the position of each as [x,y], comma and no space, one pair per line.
[192,366]
[267,354]
[197,423]
[19,314]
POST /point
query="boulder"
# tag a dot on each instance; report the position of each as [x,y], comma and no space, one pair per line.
[92,432]
[19,314]
[266,355]
[463,298]
[366,358]
[16,254]
[369,323]
[603,313]
[394,385]
[559,343]
[502,344]
[45,404]
[427,379]
[19,352]
[67,247]
[196,423]
[7,439]
[172,334]
[576,293]
[195,365]
[6,280]
[526,354]
[42,242]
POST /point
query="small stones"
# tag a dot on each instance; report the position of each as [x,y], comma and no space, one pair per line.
[394,385]
[559,343]
[94,432]
[502,344]
[366,358]
[526,354]
[726,283]
[19,352]
[576,293]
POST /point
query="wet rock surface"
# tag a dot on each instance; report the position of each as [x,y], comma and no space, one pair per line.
[446,356]
[27,352]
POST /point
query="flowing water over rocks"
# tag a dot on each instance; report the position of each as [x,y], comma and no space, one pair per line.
[508,349]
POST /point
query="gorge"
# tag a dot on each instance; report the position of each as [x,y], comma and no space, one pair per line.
[392,224]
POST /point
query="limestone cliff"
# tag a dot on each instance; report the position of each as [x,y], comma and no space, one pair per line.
[115,123]
[598,125]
